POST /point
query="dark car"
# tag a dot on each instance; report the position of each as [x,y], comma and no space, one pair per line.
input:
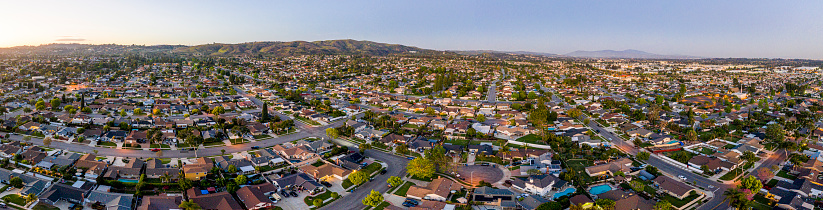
[286,195]
[410,158]
[407,204]
[325,183]
[293,194]
[255,147]
[484,164]
[383,171]
[413,201]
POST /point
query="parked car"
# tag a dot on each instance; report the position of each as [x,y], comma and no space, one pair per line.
[286,195]
[293,194]
[410,158]
[325,183]
[155,149]
[682,177]
[255,147]
[383,171]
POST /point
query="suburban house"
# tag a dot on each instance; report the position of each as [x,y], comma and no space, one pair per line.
[298,180]
[91,167]
[673,187]
[199,169]
[326,172]
[160,202]
[539,184]
[213,200]
[622,164]
[495,197]
[438,190]
[256,196]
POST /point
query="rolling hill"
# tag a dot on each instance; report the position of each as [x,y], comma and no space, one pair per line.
[329,47]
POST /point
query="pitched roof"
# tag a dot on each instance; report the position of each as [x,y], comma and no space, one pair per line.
[673,186]
[218,200]
[160,202]
[255,194]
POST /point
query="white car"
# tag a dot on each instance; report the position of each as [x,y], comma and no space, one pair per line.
[682,177]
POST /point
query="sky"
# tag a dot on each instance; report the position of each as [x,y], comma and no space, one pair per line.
[728,28]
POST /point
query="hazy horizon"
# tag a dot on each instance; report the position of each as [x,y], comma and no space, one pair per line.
[742,29]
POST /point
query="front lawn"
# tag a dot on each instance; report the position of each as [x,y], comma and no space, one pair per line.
[403,189]
[736,172]
[323,196]
[14,198]
[106,143]
[160,146]
[679,203]
[786,175]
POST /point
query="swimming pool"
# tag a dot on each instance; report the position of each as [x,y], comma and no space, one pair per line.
[564,193]
[599,189]
[128,180]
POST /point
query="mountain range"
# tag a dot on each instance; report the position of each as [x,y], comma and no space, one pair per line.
[328,47]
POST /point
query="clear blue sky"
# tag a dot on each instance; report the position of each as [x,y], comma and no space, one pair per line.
[727,28]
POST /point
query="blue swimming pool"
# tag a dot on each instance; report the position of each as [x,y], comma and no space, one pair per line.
[128,180]
[599,189]
[564,193]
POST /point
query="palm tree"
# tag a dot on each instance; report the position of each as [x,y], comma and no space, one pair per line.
[736,198]
[165,177]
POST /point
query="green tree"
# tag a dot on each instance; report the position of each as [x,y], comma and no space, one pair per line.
[189,205]
[218,110]
[605,204]
[241,180]
[265,112]
[481,118]
[332,133]
[394,181]
[662,205]
[775,133]
[55,103]
[751,183]
[550,206]
[736,198]
[40,104]
[358,177]
[317,202]
[749,156]
[374,199]
[643,155]
[16,182]
[420,168]
[31,198]
[232,169]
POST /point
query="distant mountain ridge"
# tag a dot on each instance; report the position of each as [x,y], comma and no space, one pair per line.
[329,47]
[625,54]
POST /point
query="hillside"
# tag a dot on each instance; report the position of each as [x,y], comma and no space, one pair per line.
[330,47]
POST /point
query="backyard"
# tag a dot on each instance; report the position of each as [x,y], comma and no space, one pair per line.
[579,166]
